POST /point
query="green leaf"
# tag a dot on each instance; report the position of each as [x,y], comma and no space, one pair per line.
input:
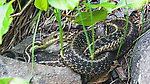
[13,80]
[98,15]
[2,2]
[136,4]
[41,4]
[64,4]
[108,6]
[18,80]
[5,80]
[101,1]
[5,20]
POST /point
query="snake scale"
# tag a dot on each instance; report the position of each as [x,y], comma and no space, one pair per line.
[77,55]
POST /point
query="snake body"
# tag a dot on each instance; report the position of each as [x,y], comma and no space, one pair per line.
[77,56]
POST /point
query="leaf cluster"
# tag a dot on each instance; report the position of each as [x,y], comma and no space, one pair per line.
[99,15]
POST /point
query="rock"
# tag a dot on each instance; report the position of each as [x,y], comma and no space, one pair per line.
[19,48]
[140,70]
[42,74]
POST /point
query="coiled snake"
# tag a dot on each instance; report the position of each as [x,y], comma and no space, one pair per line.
[106,48]
[77,56]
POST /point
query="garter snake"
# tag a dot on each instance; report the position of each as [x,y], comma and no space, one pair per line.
[77,55]
[78,58]
[40,45]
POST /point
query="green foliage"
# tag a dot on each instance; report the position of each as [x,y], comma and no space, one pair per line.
[2,2]
[98,15]
[136,4]
[108,6]
[58,16]
[41,4]
[19,4]
[87,38]
[5,20]
[124,30]
[101,1]
[64,4]
[38,19]
[15,80]
[5,80]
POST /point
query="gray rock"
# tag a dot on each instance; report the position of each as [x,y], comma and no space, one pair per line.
[140,70]
[22,45]
[41,74]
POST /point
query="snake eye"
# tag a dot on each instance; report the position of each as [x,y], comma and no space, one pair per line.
[55,36]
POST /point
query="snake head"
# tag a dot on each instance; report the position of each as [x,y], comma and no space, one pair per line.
[52,38]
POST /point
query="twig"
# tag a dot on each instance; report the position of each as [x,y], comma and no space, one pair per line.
[64,14]
[18,14]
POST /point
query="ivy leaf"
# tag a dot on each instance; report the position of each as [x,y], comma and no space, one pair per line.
[136,4]
[64,4]
[2,2]
[5,20]
[41,4]
[98,15]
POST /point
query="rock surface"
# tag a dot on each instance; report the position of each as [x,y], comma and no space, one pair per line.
[140,70]
[41,74]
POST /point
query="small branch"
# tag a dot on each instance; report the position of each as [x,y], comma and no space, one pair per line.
[64,14]
[18,14]
[67,15]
